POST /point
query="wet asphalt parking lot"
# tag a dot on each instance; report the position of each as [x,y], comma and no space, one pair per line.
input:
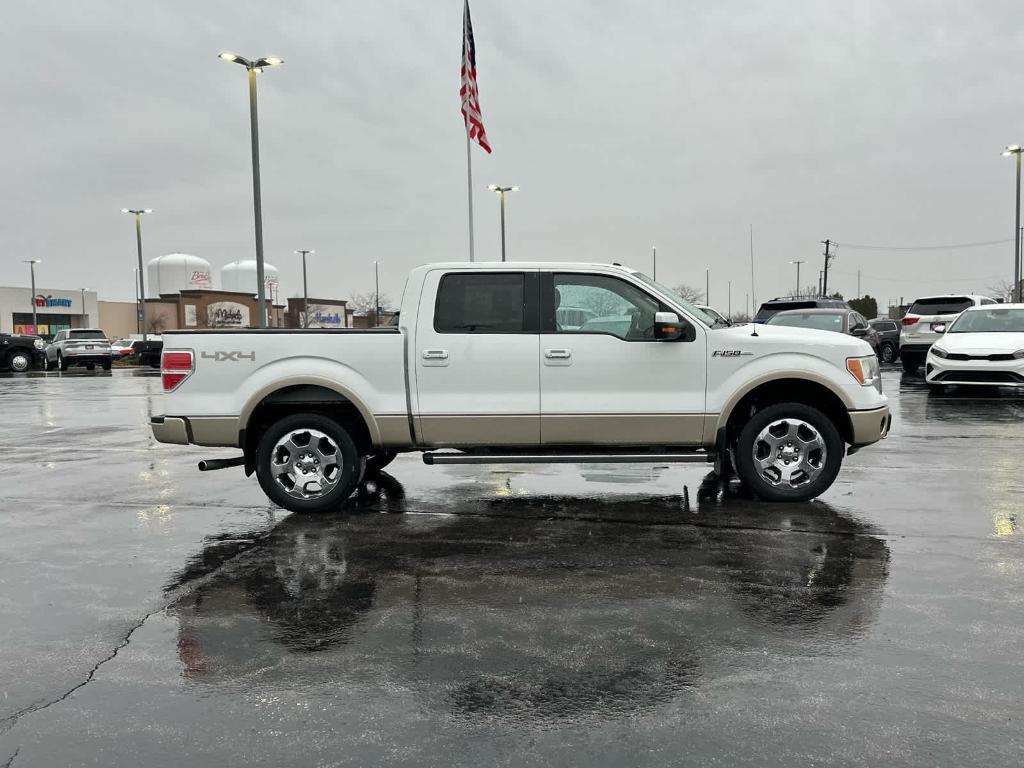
[602,615]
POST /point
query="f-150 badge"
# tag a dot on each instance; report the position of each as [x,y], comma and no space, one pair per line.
[221,357]
[729,353]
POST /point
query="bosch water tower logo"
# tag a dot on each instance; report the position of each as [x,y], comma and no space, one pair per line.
[48,301]
[200,278]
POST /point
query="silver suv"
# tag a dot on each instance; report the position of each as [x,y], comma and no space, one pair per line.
[926,321]
[79,346]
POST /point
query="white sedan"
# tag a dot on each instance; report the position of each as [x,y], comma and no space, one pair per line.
[983,346]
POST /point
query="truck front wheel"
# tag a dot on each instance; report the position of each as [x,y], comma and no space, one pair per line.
[788,452]
[307,463]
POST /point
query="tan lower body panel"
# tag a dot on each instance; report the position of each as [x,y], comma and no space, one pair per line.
[623,429]
[869,426]
[513,429]
[214,430]
[394,431]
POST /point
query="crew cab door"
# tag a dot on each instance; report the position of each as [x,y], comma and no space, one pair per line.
[604,378]
[475,358]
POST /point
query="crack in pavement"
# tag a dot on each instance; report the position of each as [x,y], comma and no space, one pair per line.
[10,760]
[174,596]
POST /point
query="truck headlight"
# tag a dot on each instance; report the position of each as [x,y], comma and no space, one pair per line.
[864,369]
[39,344]
[939,351]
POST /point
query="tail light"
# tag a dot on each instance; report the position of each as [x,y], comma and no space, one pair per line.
[175,367]
[910,319]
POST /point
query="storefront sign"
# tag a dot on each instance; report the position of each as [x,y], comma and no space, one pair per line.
[48,301]
[227,314]
[323,317]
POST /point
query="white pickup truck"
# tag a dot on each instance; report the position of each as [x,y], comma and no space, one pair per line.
[525,363]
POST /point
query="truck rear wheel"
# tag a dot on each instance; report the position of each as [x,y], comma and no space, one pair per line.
[307,463]
[788,452]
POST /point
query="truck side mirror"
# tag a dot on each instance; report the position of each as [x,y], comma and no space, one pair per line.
[667,326]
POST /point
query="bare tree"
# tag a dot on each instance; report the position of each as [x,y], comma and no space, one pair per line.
[363,303]
[688,293]
[1001,290]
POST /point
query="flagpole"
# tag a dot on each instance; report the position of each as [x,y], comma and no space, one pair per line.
[469,192]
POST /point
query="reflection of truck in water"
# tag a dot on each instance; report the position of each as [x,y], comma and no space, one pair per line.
[525,619]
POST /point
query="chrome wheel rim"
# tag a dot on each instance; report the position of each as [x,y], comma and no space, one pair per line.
[306,463]
[20,363]
[789,453]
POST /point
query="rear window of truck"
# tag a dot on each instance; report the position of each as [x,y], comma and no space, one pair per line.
[481,303]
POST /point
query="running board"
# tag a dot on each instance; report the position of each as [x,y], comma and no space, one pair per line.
[452,457]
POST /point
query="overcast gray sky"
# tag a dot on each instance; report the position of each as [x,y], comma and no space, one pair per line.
[626,124]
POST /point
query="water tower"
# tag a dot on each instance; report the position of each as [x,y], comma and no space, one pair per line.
[241,276]
[176,272]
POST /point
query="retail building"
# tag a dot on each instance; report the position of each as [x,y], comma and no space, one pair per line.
[55,310]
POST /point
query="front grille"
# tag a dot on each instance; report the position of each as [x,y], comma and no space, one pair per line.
[981,377]
[1000,358]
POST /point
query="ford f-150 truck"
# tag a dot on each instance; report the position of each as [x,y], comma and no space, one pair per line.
[524,363]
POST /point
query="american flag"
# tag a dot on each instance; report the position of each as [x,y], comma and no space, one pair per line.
[469,92]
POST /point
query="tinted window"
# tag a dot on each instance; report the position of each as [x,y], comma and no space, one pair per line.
[481,303]
[87,335]
[823,322]
[946,305]
[619,308]
[990,321]
[883,325]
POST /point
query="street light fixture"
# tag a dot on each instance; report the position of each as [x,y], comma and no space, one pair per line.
[798,262]
[32,268]
[501,197]
[137,212]
[305,289]
[254,66]
[1015,149]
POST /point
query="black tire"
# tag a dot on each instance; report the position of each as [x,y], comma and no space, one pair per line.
[61,364]
[90,366]
[832,460]
[910,366]
[888,353]
[349,463]
[377,461]
[106,365]
[19,361]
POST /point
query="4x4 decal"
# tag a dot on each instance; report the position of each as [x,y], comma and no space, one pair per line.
[221,357]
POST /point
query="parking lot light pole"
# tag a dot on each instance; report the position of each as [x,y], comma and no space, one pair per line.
[305,288]
[254,66]
[137,212]
[32,270]
[798,263]
[1015,149]
[501,200]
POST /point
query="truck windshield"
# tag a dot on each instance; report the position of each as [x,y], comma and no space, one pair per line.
[700,314]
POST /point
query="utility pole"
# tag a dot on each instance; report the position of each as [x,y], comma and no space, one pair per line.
[858,284]
[824,280]
[707,286]
[376,301]
[819,283]
[32,271]
[654,256]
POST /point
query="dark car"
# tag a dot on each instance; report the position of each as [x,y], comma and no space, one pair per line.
[845,321]
[782,304]
[889,331]
[21,353]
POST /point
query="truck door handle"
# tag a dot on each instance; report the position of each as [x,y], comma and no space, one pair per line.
[435,354]
[557,354]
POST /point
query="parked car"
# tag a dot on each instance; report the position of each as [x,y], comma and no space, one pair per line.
[79,346]
[784,303]
[983,346]
[122,348]
[839,320]
[479,373]
[21,353]
[889,332]
[918,327]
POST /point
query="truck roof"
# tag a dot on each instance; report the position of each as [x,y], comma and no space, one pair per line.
[492,265]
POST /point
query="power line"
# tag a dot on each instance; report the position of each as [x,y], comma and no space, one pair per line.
[925,247]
